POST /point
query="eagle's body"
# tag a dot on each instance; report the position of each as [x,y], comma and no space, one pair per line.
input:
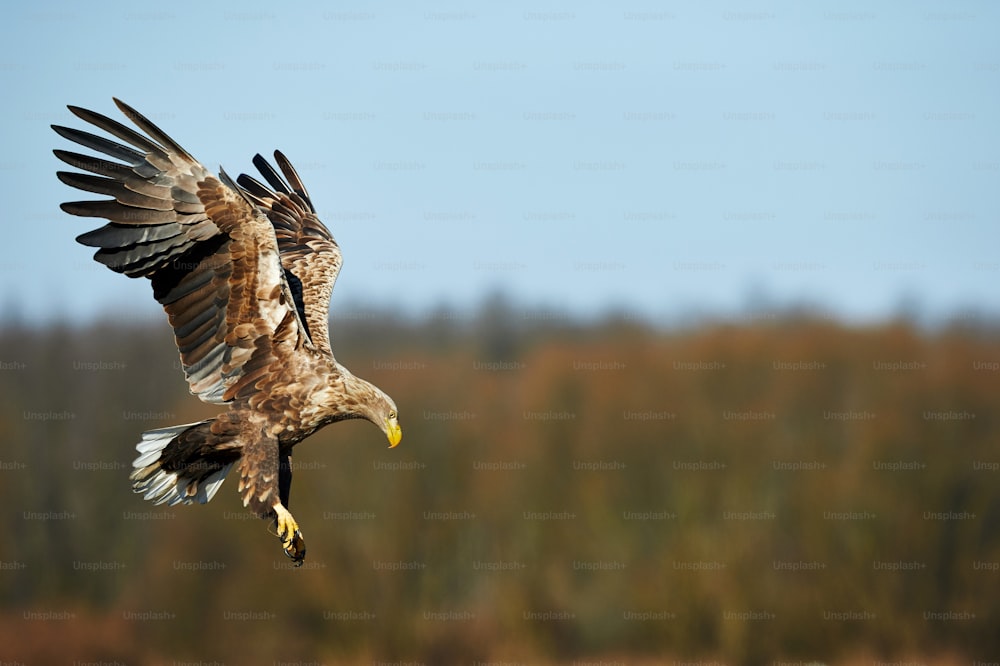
[244,272]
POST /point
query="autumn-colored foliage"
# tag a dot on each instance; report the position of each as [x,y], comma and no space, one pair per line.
[787,489]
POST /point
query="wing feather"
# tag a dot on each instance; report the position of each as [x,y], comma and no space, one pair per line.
[309,255]
[211,255]
[152,200]
[102,145]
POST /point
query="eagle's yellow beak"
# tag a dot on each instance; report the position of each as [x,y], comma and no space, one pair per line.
[393,432]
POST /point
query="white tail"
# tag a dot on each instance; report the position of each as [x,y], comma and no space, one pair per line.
[183,486]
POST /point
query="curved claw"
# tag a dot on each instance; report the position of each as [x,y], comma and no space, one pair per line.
[292,541]
[295,547]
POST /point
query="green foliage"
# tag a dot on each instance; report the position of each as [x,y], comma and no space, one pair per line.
[791,490]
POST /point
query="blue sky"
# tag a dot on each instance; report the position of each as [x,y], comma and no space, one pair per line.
[660,158]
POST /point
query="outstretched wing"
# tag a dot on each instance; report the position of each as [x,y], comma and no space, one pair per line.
[309,254]
[211,256]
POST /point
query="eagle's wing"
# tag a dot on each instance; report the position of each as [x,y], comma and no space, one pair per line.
[309,254]
[211,256]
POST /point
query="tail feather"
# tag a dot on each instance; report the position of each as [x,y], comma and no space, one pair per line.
[182,464]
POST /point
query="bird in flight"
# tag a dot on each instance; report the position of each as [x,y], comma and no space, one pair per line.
[244,271]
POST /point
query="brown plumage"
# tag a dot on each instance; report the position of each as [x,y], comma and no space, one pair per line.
[244,272]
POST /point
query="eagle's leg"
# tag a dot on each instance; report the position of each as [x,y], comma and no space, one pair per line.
[288,529]
[290,534]
[265,482]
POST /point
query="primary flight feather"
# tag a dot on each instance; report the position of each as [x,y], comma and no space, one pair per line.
[244,271]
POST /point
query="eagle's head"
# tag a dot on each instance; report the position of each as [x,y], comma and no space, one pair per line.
[361,399]
[387,418]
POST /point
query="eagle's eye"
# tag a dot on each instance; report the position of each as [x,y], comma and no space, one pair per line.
[392,414]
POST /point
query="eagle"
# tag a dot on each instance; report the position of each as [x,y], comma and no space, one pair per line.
[244,271]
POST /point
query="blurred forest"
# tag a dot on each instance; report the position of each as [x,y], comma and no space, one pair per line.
[782,489]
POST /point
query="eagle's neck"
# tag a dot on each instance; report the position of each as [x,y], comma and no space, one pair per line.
[346,396]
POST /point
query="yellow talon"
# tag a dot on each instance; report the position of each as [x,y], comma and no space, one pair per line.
[290,535]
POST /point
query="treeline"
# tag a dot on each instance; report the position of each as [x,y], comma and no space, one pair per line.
[786,489]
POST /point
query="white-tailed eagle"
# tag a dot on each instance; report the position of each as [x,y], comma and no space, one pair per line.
[244,272]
